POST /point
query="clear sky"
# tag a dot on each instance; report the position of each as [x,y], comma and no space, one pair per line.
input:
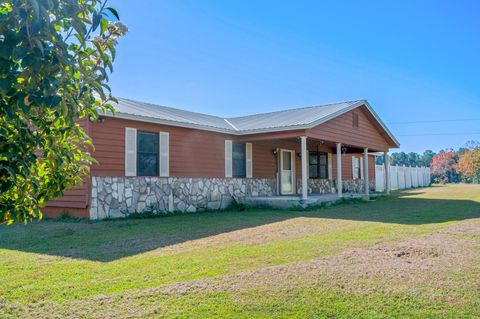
[414,61]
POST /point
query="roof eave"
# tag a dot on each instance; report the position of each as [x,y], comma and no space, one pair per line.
[126,116]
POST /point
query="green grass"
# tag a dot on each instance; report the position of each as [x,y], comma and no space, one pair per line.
[118,268]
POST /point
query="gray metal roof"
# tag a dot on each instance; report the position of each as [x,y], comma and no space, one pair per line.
[293,118]
[170,114]
[298,118]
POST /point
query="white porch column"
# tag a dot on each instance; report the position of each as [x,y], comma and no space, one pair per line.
[386,161]
[365,171]
[304,167]
[339,169]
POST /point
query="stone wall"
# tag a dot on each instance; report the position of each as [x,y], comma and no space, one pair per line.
[327,186]
[120,196]
[356,186]
[317,186]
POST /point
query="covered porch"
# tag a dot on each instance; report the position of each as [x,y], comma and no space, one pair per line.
[310,170]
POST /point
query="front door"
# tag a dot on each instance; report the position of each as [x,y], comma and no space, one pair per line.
[287,169]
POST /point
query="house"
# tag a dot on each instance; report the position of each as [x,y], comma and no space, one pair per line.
[162,158]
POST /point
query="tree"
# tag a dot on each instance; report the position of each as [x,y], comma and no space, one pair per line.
[55,57]
[469,165]
[443,167]
[399,159]
[410,159]
[426,158]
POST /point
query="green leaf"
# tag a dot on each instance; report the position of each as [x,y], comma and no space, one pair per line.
[114,12]
[104,25]
[96,21]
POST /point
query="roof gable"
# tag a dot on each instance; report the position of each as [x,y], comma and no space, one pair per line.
[341,129]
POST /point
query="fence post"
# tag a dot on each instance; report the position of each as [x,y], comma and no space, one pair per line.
[387,172]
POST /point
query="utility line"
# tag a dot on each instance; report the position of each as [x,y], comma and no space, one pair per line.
[440,134]
[436,121]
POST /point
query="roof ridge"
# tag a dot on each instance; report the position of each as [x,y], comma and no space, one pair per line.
[242,116]
[294,108]
[171,108]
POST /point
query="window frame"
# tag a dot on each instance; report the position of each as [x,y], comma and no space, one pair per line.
[318,165]
[139,153]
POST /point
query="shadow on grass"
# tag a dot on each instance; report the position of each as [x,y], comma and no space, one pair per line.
[111,240]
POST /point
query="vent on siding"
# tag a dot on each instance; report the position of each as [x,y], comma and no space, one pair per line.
[355,119]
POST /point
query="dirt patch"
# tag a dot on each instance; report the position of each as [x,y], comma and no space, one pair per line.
[421,260]
[290,228]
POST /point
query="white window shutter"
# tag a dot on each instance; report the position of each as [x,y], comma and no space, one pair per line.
[249,161]
[360,160]
[308,164]
[330,170]
[228,158]
[130,151]
[354,165]
[164,152]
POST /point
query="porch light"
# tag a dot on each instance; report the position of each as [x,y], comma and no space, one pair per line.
[274,152]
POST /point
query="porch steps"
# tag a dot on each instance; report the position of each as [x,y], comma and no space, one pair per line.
[289,201]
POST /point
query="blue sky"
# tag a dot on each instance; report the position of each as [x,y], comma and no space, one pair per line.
[414,61]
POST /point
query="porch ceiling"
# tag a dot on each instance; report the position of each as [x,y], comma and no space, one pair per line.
[313,143]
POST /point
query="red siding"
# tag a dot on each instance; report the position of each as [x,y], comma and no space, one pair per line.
[193,153]
[340,129]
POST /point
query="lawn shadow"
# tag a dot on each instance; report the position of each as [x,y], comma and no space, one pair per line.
[107,241]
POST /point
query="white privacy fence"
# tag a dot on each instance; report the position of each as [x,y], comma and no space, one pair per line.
[402,177]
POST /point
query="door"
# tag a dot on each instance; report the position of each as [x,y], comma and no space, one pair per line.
[287,165]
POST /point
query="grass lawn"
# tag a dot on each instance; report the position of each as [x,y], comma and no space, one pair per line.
[414,254]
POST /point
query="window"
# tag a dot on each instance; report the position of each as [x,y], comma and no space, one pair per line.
[147,154]
[357,167]
[355,119]
[318,165]
[239,159]
[313,164]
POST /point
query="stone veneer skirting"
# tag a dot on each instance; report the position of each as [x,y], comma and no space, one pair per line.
[120,196]
[356,186]
[317,186]
[327,186]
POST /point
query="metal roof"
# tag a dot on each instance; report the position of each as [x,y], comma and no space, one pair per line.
[290,119]
[293,118]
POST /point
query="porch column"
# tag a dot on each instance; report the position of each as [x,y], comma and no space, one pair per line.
[386,162]
[304,167]
[339,170]
[365,171]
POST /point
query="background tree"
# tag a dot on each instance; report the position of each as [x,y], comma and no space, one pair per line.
[55,57]
[444,166]
[426,158]
[469,165]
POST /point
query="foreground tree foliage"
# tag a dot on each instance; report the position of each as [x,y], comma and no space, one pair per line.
[55,57]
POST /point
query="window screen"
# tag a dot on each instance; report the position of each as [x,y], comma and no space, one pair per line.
[318,165]
[238,160]
[147,154]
